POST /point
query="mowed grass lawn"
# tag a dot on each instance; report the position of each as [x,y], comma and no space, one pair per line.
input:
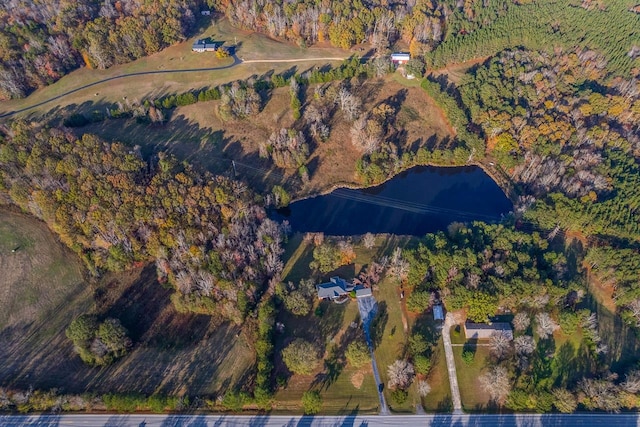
[474,398]
[393,342]
[251,46]
[439,399]
[344,388]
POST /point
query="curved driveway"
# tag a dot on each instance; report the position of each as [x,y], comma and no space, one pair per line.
[236,61]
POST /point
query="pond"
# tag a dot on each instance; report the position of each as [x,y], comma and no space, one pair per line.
[418,201]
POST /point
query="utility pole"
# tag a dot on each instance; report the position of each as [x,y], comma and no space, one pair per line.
[235,172]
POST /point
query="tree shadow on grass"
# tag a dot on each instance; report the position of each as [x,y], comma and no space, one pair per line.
[158,363]
[378,324]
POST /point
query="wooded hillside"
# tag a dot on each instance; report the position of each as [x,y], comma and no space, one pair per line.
[42,41]
[206,234]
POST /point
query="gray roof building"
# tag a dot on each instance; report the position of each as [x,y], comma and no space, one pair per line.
[204,46]
[336,287]
[361,291]
[483,331]
[438,312]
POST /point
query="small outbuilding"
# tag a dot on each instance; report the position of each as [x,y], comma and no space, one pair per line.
[483,331]
[438,312]
[362,292]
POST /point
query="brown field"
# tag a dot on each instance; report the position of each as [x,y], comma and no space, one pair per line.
[251,46]
[197,134]
[42,289]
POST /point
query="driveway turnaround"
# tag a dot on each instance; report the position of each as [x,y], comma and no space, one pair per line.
[451,364]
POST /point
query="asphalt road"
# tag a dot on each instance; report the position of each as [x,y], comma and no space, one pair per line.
[78,420]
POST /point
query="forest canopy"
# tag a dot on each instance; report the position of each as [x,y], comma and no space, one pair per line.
[206,234]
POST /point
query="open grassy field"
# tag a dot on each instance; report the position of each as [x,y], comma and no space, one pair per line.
[344,389]
[42,289]
[251,46]
[38,273]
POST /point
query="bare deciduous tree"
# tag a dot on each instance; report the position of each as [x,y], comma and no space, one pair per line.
[634,309]
[349,104]
[600,394]
[521,321]
[500,344]
[631,383]
[398,266]
[496,383]
[423,388]
[524,345]
[368,240]
[472,280]
[400,374]
[545,325]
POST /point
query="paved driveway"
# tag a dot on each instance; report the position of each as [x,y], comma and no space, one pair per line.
[451,364]
[368,307]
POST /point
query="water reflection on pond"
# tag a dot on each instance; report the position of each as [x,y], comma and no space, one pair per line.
[422,200]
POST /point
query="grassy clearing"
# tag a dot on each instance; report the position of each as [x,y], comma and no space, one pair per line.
[42,289]
[439,399]
[333,330]
[37,278]
[178,57]
[474,398]
[392,345]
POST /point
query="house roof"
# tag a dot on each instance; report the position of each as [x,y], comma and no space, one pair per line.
[400,55]
[438,312]
[332,289]
[361,291]
[202,44]
[481,331]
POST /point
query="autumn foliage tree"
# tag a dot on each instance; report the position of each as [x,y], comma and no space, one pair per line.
[116,210]
[41,42]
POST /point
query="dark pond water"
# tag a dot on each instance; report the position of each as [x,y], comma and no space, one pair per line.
[419,201]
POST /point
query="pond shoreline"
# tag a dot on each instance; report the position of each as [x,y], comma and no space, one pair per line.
[508,190]
[421,199]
